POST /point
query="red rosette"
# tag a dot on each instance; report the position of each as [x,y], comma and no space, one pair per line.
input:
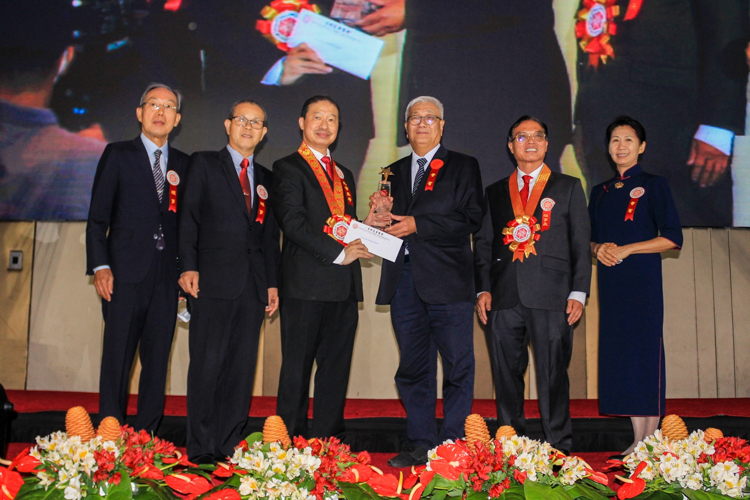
[435,166]
[279,18]
[594,28]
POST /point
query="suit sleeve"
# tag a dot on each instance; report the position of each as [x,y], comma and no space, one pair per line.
[100,213]
[271,247]
[722,28]
[466,218]
[288,203]
[664,212]
[579,228]
[483,250]
[189,217]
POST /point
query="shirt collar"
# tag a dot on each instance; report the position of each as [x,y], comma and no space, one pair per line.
[13,114]
[533,174]
[430,154]
[151,148]
[237,158]
[634,170]
[320,156]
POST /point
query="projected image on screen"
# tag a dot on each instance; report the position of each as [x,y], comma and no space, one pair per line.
[679,68]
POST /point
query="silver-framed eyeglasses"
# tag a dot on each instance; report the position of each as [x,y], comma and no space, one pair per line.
[157,106]
[428,119]
[524,137]
[243,121]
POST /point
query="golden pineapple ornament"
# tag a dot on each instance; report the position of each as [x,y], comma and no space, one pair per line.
[275,430]
[712,434]
[476,430]
[674,428]
[78,423]
[505,431]
[109,429]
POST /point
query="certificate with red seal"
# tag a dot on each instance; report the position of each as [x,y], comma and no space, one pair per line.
[523,231]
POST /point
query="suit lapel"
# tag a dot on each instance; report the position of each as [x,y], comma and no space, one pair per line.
[144,168]
[233,179]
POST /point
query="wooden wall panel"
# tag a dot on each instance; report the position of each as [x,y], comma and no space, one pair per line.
[722,285]
[739,252]
[680,340]
[15,297]
[704,312]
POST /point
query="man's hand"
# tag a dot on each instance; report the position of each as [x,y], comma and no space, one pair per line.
[387,19]
[104,283]
[189,283]
[355,250]
[484,305]
[406,226]
[380,220]
[302,60]
[709,164]
[574,311]
[273,301]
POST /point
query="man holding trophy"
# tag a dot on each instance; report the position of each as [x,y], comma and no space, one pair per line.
[436,204]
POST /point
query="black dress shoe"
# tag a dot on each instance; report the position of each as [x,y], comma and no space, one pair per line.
[204,459]
[407,458]
[617,457]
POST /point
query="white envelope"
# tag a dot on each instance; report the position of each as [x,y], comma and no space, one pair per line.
[337,44]
[377,242]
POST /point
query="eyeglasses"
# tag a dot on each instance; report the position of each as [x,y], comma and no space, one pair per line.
[428,119]
[242,122]
[156,106]
[524,137]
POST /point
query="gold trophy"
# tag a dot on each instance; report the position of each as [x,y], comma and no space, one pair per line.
[383,204]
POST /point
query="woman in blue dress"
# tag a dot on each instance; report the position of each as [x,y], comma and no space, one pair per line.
[633,220]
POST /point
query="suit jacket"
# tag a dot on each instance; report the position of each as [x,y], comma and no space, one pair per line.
[562,263]
[124,202]
[218,237]
[307,255]
[440,250]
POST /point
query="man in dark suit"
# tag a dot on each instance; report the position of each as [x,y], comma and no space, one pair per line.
[131,249]
[679,67]
[321,281]
[437,203]
[478,40]
[229,252]
[533,271]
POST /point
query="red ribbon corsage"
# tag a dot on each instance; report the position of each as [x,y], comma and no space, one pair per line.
[435,166]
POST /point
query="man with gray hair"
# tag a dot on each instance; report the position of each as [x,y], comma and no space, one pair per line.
[436,206]
[131,250]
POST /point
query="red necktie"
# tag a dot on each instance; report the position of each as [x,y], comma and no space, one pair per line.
[329,168]
[525,190]
[245,182]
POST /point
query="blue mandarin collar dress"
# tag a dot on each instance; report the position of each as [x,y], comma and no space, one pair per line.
[631,302]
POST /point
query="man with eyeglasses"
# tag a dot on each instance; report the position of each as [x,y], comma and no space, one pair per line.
[437,197]
[533,271]
[131,250]
[229,258]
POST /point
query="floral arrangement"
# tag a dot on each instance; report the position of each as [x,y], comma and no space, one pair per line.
[697,467]
[510,467]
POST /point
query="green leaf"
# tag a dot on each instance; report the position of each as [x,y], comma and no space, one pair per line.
[703,495]
[443,484]
[536,491]
[120,491]
[477,495]
[358,491]
[658,495]
[154,491]
[254,438]
[430,486]
[515,492]
[37,492]
[590,483]
[580,490]
[439,495]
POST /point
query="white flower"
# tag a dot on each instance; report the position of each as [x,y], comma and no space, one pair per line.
[693,481]
[248,485]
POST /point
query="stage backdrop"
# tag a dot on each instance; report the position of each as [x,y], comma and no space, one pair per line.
[679,67]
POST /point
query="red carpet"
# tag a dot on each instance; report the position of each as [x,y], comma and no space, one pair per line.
[38,401]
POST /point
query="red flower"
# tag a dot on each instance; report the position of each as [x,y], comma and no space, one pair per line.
[426,476]
[357,474]
[445,469]
[225,494]
[182,460]
[147,471]
[24,462]
[410,481]
[115,479]
[364,458]
[520,476]
[188,483]
[634,486]
[386,485]
[416,492]
[300,443]
[10,482]
[496,490]
[599,477]
[315,445]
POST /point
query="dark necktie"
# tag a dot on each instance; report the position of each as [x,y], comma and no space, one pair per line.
[245,182]
[158,175]
[420,173]
[525,190]
[329,167]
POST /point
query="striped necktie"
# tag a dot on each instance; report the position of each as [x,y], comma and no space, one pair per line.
[158,175]
[420,173]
